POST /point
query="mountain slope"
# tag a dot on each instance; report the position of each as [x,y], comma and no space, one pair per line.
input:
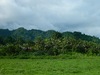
[32,34]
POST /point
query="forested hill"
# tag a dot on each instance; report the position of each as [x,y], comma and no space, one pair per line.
[22,42]
[33,34]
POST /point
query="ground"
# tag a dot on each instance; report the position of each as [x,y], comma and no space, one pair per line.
[86,66]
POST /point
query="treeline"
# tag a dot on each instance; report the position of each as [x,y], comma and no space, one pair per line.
[53,43]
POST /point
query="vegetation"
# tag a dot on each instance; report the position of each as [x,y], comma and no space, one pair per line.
[30,43]
[50,66]
[48,53]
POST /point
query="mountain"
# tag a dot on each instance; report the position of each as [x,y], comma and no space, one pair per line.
[32,34]
[5,32]
[36,42]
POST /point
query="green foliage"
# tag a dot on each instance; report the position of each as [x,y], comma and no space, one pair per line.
[22,42]
[90,66]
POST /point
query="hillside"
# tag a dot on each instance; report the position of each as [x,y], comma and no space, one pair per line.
[28,43]
[32,34]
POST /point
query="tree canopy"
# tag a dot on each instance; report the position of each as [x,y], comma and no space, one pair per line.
[37,42]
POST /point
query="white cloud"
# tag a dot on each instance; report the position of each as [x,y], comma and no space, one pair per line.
[61,15]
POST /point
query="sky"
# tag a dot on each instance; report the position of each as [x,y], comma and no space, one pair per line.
[59,15]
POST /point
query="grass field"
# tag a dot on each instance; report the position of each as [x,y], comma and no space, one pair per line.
[87,66]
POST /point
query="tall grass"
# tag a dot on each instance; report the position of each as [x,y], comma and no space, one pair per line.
[77,66]
[72,55]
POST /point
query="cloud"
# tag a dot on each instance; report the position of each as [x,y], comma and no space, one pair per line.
[60,15]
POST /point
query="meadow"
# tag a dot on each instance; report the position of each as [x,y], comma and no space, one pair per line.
[84,66]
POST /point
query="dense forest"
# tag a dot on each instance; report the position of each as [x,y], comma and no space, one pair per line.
[37,43]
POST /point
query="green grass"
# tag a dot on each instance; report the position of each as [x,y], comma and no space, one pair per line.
[87,66]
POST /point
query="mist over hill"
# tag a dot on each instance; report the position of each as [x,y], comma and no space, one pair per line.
[60,15]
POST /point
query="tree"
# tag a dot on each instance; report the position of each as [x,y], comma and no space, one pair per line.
[56,35]
[1,40]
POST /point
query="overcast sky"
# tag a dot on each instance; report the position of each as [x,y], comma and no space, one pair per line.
[60,15]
